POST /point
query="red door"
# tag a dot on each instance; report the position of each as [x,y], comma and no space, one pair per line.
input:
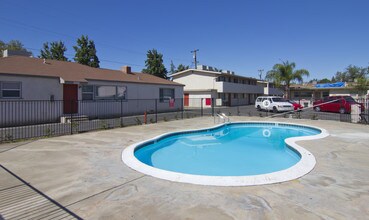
[186,99]
[70,97]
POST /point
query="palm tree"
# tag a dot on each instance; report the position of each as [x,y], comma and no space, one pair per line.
[283,73]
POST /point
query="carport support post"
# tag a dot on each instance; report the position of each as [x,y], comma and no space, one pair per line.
[202,109]
[156,111]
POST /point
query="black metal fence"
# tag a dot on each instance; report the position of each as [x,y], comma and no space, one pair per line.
[25,119]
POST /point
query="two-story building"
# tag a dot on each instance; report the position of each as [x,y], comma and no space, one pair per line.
[227,88]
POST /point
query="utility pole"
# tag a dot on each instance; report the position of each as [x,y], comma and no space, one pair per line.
[261,73]
[195,57]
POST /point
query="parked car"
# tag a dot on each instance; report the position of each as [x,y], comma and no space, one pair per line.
[339,104]
[296,106]
[273,103]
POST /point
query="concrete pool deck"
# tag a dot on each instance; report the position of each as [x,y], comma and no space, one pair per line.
[84,173]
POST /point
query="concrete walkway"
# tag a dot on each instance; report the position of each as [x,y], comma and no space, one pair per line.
[84,173]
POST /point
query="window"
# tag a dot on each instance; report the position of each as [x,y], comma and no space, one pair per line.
[10,89]
[222,96]
[87,92]
[166,94]
[121,92]
[221,79]
[235,95]
[303,94]
[91,92]
[105,92]
[325,94]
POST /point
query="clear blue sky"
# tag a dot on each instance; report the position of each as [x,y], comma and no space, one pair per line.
[323,36]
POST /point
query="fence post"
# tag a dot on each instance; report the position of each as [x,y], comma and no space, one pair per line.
[71,117]
[202,109]
[182,107]
[156,111]
[121,113]
[212,106]
[238,105]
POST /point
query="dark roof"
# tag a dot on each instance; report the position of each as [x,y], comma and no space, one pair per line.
[74,72]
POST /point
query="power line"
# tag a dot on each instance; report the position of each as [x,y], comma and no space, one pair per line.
[12,21]
[104,60]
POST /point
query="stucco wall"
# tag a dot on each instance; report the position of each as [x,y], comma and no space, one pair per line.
[196,98]
[37,88]
[195,81]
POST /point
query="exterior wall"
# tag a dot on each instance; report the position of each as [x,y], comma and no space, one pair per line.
[228,87]
[195,81]
[140,98]
[36,88]
[195,98]
[20,111]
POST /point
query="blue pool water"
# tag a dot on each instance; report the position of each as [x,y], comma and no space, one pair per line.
[238,149]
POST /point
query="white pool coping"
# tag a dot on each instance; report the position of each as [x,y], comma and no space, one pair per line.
[301,168]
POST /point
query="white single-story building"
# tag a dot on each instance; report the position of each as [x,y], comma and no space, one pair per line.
[225,87]
[38,90]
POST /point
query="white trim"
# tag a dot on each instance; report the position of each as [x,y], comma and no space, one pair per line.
[301,168]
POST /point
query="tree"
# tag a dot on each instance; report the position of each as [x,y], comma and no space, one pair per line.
[86,52]
[12,45]
[325,80]
[154,64]
[362,85]
[2,47]
[55,52]
[351,73]
[284,73]
[181,67]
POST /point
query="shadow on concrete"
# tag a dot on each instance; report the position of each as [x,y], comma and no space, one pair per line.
[20,200]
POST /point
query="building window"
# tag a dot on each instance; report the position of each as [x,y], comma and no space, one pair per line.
[235,95]
[166,94]
[325,94]
[235,80]
[87,92]
[303,94]
[10,90]
[121,92]
[105,92]
[221,79]
[91,92]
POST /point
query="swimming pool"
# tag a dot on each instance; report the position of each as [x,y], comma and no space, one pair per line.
[232,154]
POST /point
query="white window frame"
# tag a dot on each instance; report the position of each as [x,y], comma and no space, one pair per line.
[1,89]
